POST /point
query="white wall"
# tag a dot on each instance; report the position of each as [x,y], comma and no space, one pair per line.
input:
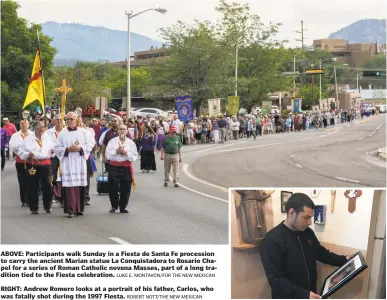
[341,227]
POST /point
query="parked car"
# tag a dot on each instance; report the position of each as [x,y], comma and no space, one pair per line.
[154,112]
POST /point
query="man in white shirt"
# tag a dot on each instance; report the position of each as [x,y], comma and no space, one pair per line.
[37,149]
[234,128]
[73,147]
[14,144]
[178,127]
[88,162]
[54,133]
[120,153]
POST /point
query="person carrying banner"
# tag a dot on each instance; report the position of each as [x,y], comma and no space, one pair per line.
[171,154]
[121,152]
[73,147]
[21,169]
[37,149]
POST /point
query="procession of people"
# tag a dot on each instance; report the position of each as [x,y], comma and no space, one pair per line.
[56,161]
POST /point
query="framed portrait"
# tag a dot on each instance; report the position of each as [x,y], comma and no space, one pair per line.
[343,275]
[284,200]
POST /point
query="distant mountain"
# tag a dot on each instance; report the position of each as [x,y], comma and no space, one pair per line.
[82,42]
[363,31]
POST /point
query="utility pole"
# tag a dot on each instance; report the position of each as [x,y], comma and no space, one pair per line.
[320,79]
[236,69]
[302,35]
[294,76]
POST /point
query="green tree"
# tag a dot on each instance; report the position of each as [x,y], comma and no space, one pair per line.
[82,79]
[116,79]
[198,65]
[260,74]
[260,56]
[18,49]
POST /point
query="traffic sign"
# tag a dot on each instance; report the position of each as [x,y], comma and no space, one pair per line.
[314,71]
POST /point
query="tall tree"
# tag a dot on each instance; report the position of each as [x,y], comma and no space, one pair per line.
[198,64]
[18,48]
[256,51]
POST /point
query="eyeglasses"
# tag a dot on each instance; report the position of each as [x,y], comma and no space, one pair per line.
[121,128]
[69,119]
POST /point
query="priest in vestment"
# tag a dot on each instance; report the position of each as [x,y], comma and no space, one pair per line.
[73,147]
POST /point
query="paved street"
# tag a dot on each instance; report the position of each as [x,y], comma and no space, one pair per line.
[157,215]
[197,212]
[334,157]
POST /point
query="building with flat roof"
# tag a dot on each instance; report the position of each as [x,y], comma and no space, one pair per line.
[352,54]
[146,57]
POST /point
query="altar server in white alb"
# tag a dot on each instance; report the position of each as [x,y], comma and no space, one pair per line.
[36,149]
[21,168]
[73,147]
[120,153]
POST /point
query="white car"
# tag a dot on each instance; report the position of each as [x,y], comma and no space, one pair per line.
[153,112]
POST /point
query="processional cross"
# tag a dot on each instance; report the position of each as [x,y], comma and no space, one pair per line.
[64,89]
[352,195]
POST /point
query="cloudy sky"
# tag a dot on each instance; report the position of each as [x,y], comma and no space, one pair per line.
[321,17]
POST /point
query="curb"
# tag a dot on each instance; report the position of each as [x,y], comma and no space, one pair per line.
[382,153]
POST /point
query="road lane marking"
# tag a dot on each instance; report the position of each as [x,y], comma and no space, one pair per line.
[119,241]
[186,172]
[203,194]
[346,179]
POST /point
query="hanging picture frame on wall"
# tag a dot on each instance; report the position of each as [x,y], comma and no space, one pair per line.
[319,214]
[285,195]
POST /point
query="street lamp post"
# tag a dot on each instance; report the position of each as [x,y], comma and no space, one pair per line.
[128,94]
[357,81]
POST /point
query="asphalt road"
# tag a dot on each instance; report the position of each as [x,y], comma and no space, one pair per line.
[157,215]
[340,156]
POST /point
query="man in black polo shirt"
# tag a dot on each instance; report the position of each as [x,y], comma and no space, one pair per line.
[290,250]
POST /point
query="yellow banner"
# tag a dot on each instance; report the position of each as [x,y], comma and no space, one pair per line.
[36,87]
[233,105]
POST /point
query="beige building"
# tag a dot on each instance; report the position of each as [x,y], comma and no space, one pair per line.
[143,58]
[352,54]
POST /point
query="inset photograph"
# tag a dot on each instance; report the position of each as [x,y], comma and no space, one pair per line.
[308,243]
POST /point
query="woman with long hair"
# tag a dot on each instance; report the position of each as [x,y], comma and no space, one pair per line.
[148,161]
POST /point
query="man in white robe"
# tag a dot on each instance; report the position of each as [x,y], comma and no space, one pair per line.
[21,167]
[73,147]
[54,133]
[120,153]
[36,149]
